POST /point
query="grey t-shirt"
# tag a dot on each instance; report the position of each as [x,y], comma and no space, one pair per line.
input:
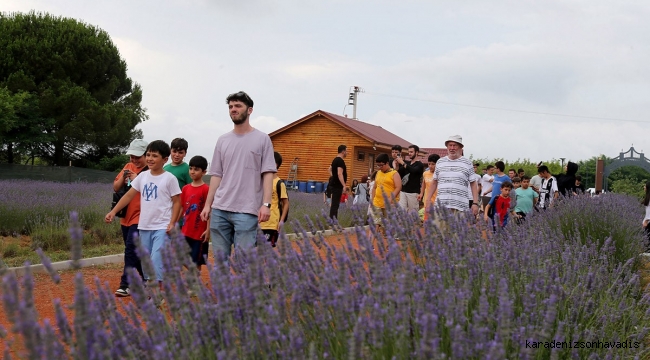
[240,161]
[536,181]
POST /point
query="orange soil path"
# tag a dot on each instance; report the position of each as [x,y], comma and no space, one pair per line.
[45,291]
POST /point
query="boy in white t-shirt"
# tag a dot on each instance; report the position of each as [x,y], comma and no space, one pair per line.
[486,186]
[159,206]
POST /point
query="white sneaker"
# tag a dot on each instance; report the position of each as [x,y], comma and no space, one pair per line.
[122,292]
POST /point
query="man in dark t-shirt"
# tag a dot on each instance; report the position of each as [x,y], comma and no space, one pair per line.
[411,174]
[339,179]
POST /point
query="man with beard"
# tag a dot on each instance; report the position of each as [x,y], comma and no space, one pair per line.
[242,171]
[411,174]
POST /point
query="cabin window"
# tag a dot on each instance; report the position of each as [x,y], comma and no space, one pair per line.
[361,156]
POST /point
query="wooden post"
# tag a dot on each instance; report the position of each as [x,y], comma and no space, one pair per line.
[600,169]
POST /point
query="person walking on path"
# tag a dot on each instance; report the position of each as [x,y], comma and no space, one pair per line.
[387,187]
[242,171]
[453,177]
[129,223]
[339,179]
[411,174]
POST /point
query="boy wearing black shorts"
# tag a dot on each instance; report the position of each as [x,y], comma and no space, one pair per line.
[193,198]
[279,206]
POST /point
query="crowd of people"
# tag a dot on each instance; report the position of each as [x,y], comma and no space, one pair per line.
[454,182]
[245,192]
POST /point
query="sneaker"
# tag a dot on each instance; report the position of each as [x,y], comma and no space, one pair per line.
[123,291]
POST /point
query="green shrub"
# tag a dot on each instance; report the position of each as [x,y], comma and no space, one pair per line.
[104,234]
[10,250]
[52,238]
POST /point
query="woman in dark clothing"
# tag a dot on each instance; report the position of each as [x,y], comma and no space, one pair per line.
[566,184]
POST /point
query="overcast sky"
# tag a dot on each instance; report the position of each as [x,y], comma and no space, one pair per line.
[584,58]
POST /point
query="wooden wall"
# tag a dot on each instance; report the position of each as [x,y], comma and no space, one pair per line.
[315,142]
[361,168]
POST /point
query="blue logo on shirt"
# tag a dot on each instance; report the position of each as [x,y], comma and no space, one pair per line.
[150,192]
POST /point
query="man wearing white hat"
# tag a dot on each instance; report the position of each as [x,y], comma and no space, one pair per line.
[454,178]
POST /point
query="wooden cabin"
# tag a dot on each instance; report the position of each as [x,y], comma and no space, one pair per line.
[314,140]
[425,152]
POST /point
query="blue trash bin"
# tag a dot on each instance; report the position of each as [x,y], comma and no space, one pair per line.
[319,187]
[302,186]
[310,186]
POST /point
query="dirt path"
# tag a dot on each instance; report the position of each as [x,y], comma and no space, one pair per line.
[45,291]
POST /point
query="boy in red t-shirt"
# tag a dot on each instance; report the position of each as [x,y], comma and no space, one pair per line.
[193,198]
[500,206]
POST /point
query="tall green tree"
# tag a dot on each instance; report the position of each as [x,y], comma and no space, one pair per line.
[69,90]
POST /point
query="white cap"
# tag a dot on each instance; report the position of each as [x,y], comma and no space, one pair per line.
[137,147]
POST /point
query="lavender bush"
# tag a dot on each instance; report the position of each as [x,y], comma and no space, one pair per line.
[446,293]
[309,210]
[28,205]
[40,209]
[608,216]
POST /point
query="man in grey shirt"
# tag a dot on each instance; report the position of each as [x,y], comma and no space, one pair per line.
[242,170]
[536,181]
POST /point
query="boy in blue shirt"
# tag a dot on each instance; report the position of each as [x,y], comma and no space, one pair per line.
[526,199]
[499,179]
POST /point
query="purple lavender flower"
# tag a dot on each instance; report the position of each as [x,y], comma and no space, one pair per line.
[448,293]
[48,266]
[76,238]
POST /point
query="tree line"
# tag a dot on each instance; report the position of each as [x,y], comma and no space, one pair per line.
[626,180]
[64,92]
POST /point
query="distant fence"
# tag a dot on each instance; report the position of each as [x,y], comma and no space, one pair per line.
[55,173]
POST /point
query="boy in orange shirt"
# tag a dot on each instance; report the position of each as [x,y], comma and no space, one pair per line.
[428,198]
[129,223]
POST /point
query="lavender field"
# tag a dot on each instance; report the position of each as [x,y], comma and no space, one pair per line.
[40,210]
[567,277]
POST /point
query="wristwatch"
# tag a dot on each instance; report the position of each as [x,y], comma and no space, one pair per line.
[268,205]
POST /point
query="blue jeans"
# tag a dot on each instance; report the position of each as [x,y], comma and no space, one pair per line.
[231,228]
[154,241]
[131,259]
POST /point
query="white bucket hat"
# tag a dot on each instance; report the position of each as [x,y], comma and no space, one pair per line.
[455,138]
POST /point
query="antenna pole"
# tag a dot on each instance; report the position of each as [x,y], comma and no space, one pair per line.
[352,100]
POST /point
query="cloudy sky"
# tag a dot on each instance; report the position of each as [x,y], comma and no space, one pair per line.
[429,69]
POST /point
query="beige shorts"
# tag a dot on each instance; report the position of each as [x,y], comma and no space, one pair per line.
[377,214]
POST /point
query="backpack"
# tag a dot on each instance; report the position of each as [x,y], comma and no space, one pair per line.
[116,198]
[278,190]
[365,186]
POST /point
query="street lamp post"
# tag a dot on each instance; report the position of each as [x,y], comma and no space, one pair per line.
[562,163]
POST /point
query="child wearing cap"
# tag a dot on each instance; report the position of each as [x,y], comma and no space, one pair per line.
[129,223]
